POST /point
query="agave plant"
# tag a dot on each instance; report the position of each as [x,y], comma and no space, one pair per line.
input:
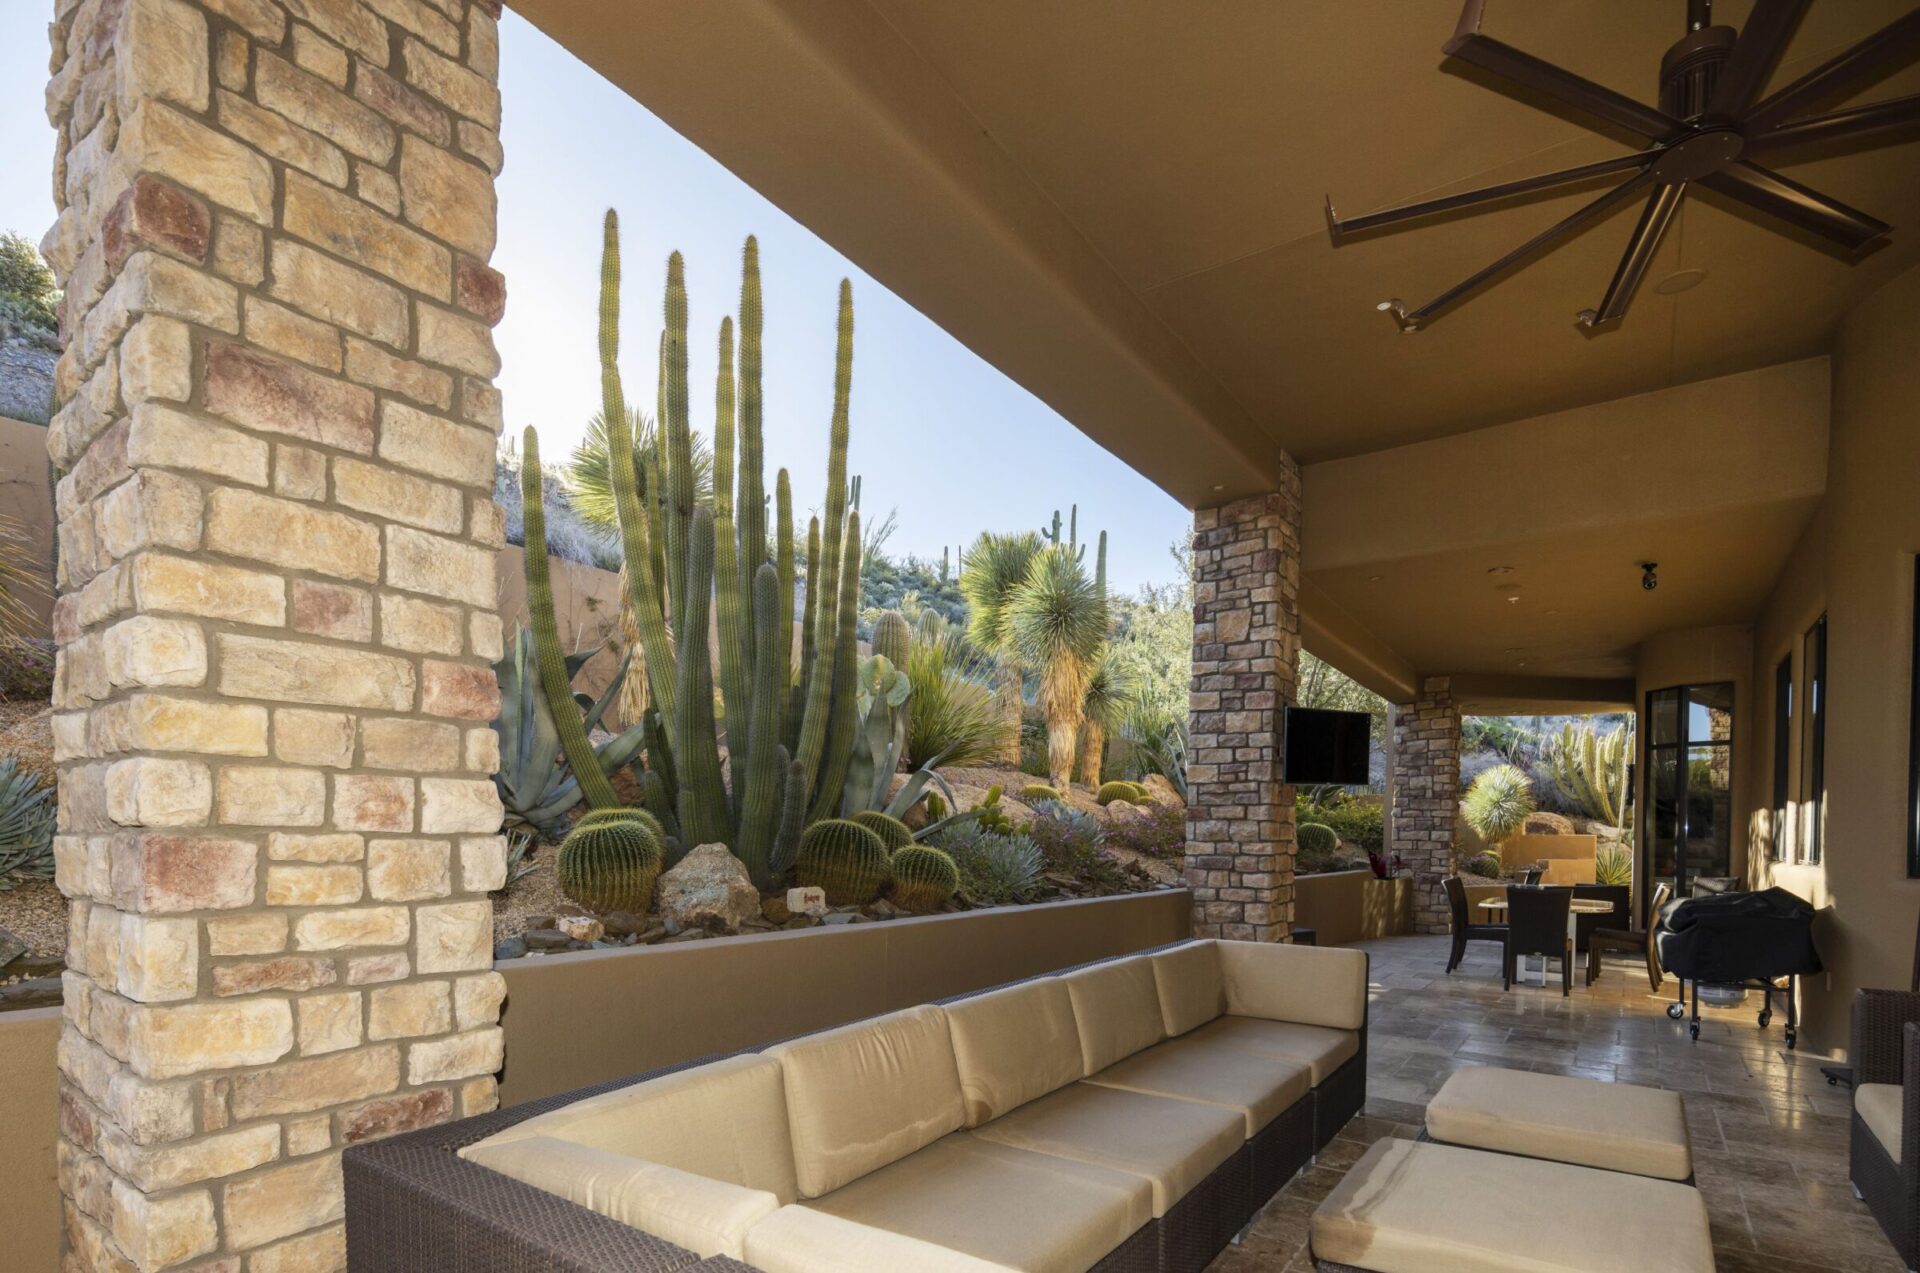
[1613,865]
[26,826]
[535,783]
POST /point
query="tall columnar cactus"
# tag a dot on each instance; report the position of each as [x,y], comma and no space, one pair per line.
[790,732]
[611,860]
[1591,768]
[845,859]
[924,879]
[891,637]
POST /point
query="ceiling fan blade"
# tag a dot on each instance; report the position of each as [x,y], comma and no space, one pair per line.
[1893,44]
[1654,220]
[1855,121]
[1788,200]
[1413,320]
[1489,54]
[1755,54]
[1486,194]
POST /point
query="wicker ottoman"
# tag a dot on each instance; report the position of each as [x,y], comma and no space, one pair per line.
[1411,1207]
[1613,1126]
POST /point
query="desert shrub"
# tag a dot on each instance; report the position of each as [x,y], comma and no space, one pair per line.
[28,291]
[1033,745]
[1160,832]
[570,536]
[26,670]
[954,716]
[994,868]
[1071,841]
[26,826]
[1361,823]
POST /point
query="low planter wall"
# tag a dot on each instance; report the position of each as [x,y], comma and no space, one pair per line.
[1349,906]
[30,1100]
[576,1019]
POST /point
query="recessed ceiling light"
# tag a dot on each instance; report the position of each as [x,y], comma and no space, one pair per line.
[1516,649]
[1680,281]
[1218,487]
[1550,611]
[1500,570]
[1375,578]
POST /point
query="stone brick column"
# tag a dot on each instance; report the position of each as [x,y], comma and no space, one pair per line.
[276,436]
[1426,793]
[1246,647]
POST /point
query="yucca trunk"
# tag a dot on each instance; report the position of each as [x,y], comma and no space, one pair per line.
[1011,703]
[1063,692]
[1093,748]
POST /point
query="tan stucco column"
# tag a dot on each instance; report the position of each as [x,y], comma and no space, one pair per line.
[1425,795]
[276,438]
[1246,648]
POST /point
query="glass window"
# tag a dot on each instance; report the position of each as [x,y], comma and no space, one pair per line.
[1913,742]
[1782,757]
[1688,822]
[1813,744]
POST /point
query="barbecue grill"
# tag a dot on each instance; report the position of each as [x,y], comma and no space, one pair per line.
[1754,941]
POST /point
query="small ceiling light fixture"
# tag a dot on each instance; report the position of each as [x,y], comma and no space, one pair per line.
[1501,570]
[1712,129]
[1375,578]
[1648,579]
[1218,487]
[1680,281]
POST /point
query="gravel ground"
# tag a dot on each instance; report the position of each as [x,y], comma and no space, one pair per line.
[35,912]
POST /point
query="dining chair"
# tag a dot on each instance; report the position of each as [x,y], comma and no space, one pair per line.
[1537,925]
[1617,896]
[1464,929]
[1532,877]
[1637,941]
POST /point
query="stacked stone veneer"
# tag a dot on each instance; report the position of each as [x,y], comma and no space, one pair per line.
[276,438]
[1246,647]
[1426,794]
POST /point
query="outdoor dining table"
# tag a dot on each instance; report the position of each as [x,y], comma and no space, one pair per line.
[1577,907]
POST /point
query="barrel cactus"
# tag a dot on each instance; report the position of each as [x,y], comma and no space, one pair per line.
[610,862]
[1035,792]
[893,833]
[924,879]
[1314,837]
[845,859]
[1112,791]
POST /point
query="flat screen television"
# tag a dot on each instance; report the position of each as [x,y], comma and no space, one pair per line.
[1327,748]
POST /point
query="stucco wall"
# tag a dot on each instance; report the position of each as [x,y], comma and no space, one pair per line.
[29,1095]
[572,1020]
[1856,564]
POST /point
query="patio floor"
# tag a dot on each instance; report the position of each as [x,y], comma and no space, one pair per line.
[1769,1134]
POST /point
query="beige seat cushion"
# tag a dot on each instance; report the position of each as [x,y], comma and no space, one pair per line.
[1408,1207]
[1615,1126]
[867,1094]
[708,1216]
[1313,985]
[1003,1205]
[1013,1046]
[1192,991]
[1117,1007]
[802,1240]
[1173,1144]
[726,1120]
[1321,1049]
[1881,1107]
[1257,1086]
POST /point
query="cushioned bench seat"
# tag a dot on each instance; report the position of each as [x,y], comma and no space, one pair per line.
[1321,1049]
[1410,1207]
[1613,1126]
[802,1240]
[1256,1086]
[1881,1107]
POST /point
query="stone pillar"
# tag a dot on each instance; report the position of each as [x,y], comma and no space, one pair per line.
[276,437]
[1426,793]
[1246,646]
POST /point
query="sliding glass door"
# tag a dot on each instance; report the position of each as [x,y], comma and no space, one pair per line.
[1687,825]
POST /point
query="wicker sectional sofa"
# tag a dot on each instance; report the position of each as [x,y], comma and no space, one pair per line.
[1127,1115]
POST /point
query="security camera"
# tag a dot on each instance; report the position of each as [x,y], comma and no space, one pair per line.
[1648,579]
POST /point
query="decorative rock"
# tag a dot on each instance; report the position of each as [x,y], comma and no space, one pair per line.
[581,927]
[545,939]
[774,910]
[624,924]
[510,948]
[709,890]
[1163,792]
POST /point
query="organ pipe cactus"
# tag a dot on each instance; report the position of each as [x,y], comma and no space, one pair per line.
[892,637]
[845,860]
[535,785]
[1591,768]
[697,564]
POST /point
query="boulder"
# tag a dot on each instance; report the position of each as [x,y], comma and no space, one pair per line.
[1163,792]
[1124,811]
[709,891]
[546,939]
[624,924]
[510,948]
[1540,822]
[581,927]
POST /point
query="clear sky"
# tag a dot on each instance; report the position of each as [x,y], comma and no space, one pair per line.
[938,433]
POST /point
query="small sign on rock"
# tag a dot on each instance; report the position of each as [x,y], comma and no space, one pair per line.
[811,900]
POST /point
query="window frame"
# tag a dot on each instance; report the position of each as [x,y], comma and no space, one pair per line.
[1813,744]
[1784,720]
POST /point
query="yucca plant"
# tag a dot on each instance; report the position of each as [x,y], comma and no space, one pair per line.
[1057,619]
[26,826]
[1498,802]
[22,575]
[990,572]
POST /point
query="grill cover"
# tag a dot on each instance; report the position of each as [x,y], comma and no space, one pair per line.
[1738,937]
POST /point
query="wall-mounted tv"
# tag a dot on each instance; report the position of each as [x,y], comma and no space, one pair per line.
[1327,748]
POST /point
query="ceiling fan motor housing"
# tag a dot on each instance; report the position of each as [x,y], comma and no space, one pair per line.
[1691,69]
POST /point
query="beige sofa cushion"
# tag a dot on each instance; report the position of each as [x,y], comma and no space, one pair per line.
[1117,1007]
[1408,1207]
[1881,1109]
[1192,991]
[1014,1045]
[864,1095]
[1615,1126]
[1320,1049]
[1256,1086]
[1173,1144]
[1003,1205]
[708,1216]
[726,1120]
[1312,985]
[802,1240]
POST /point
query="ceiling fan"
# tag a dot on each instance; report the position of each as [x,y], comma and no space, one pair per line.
[1710,128]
